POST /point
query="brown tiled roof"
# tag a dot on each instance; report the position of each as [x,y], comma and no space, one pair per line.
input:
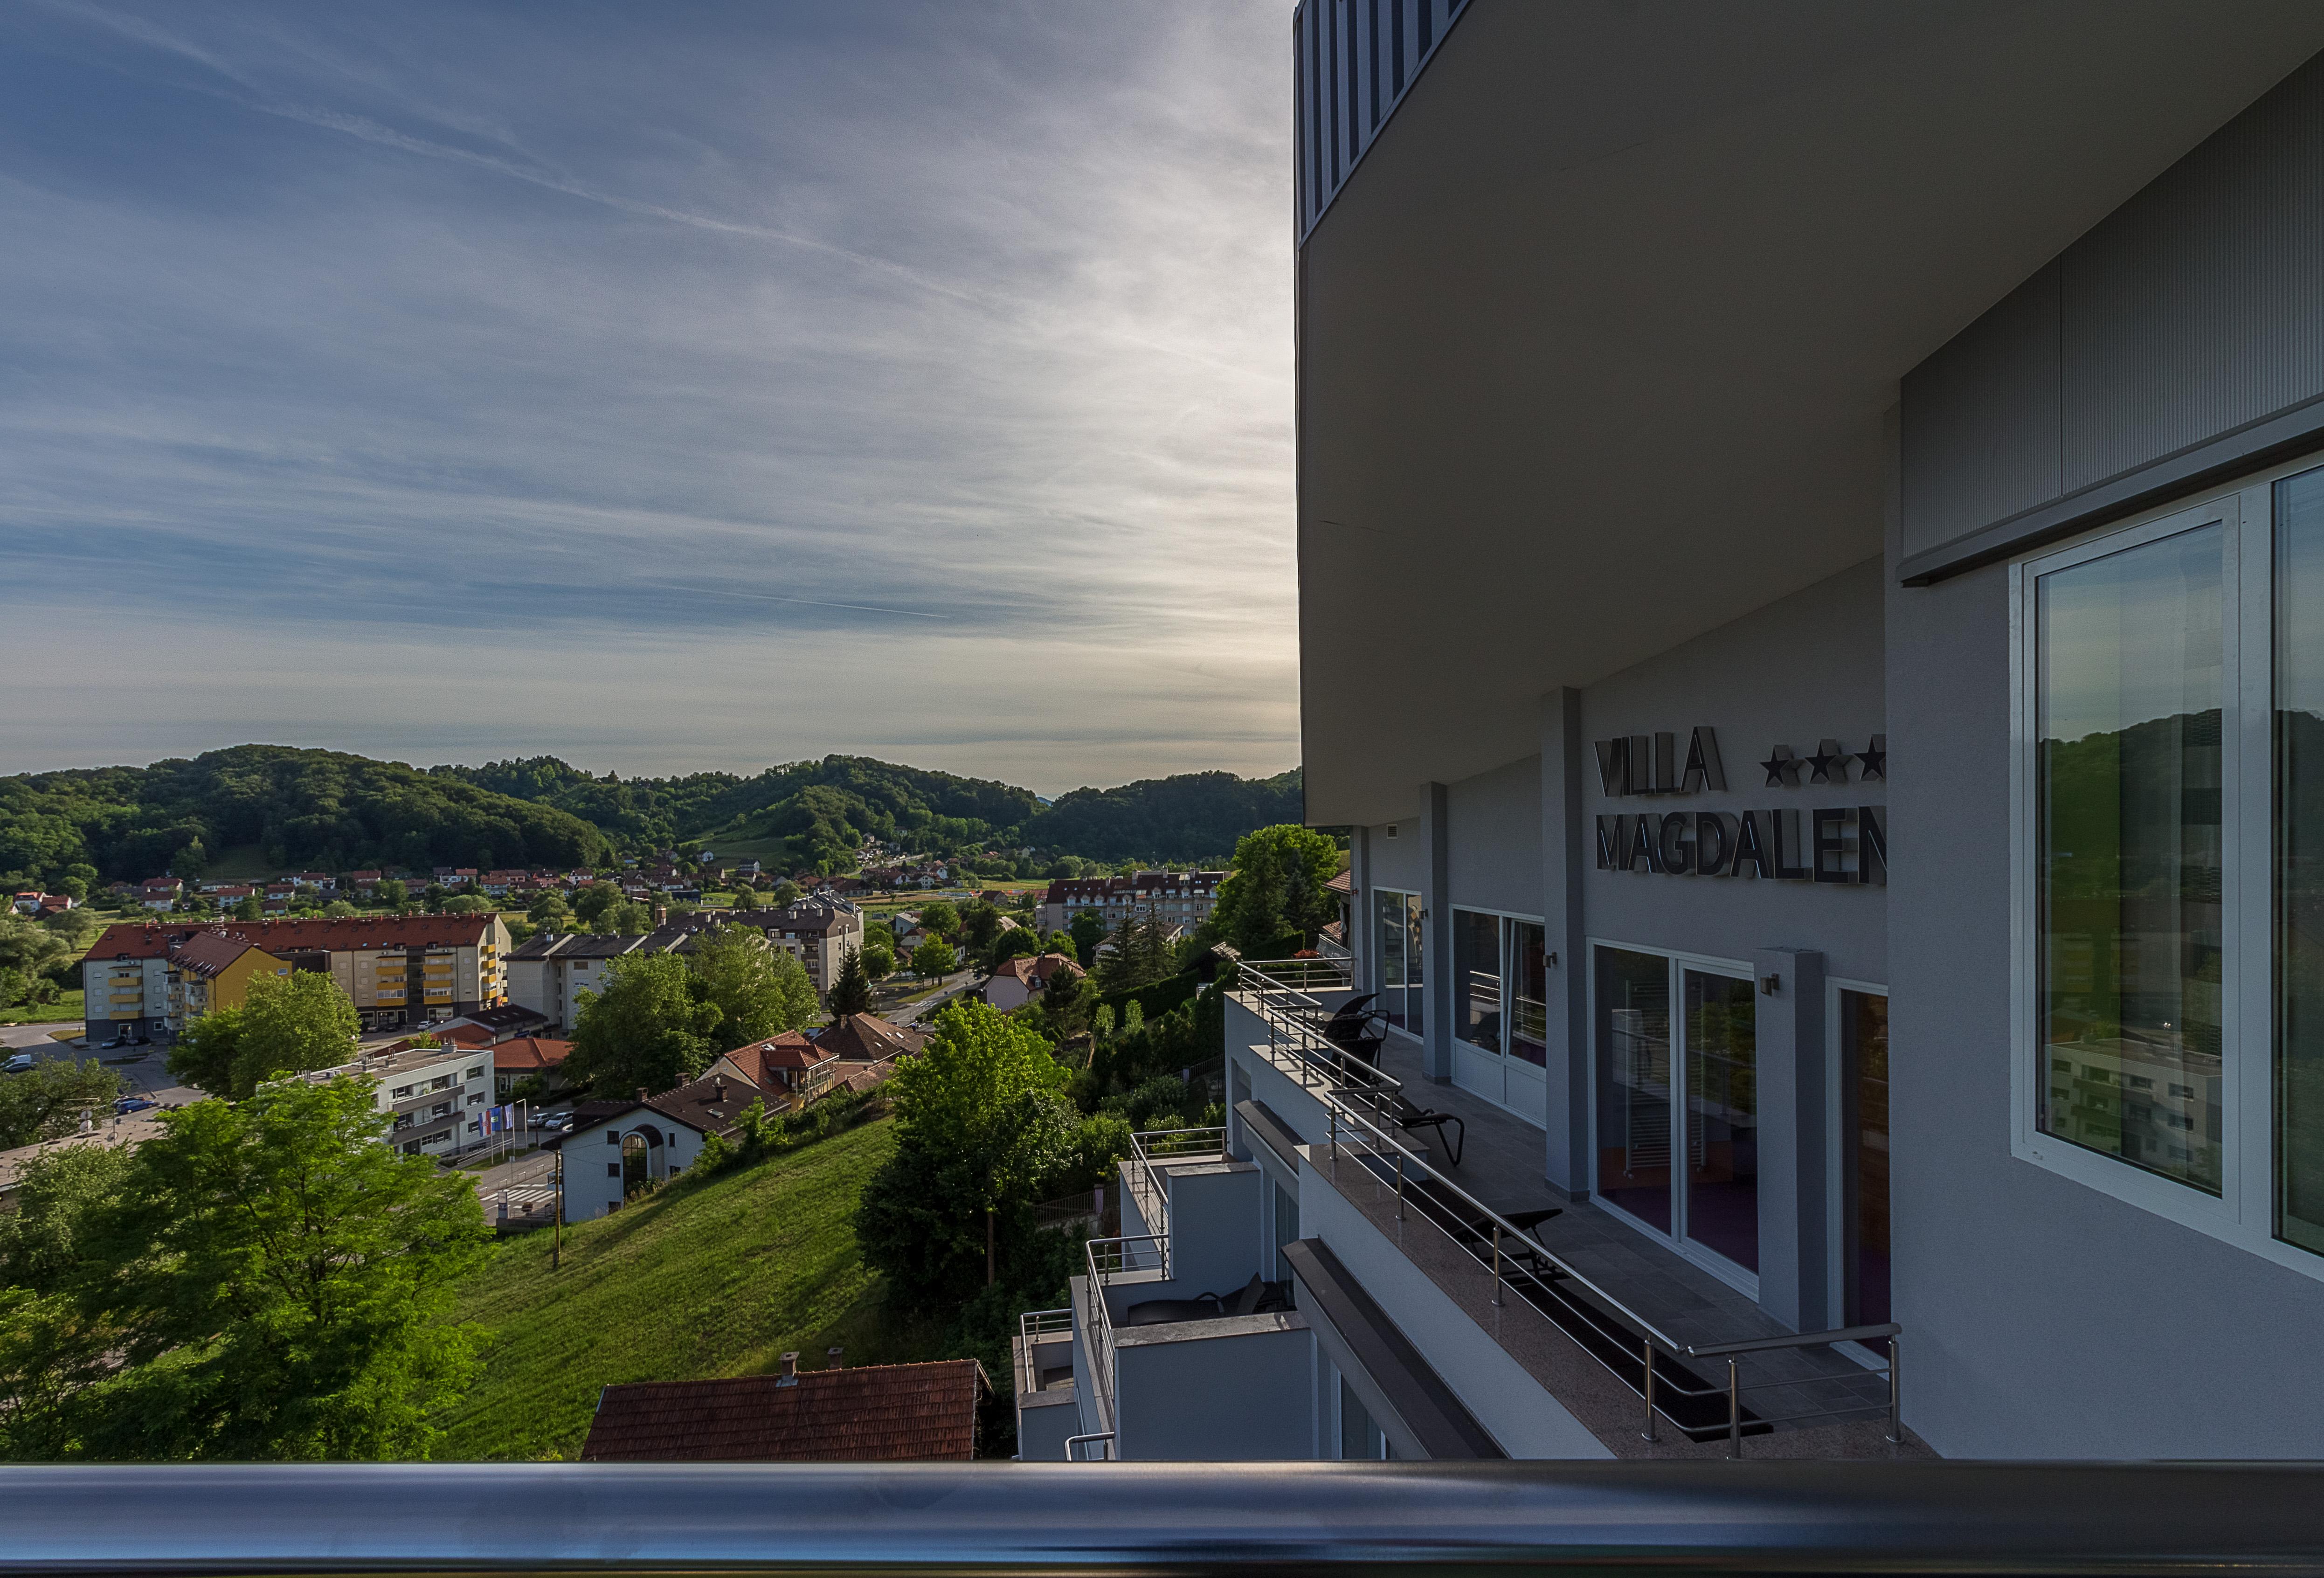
[140,941]
[760,1059]
[882,1413]
[529,1052]
[865,1037]
[209,953]
[464,1035]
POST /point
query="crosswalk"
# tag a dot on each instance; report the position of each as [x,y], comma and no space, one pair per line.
[521,1203]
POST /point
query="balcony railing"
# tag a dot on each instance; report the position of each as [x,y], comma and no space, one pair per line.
[1735,1521]
[1606,1327]
[1146,1184]
[1109,1257]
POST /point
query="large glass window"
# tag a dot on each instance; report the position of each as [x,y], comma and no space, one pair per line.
[1477,967]
[2300,860]
[2128,692]
[1528,993]
[1633,1083]
[1864,1176]
[1723,1117]
[1396,923]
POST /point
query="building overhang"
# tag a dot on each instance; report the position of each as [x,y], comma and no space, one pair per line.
[1600,341]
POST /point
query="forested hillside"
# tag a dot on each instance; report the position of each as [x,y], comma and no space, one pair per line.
[287,808]
[320,808]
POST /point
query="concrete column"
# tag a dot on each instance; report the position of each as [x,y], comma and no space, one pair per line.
[1795,1133]
[1436,933]
[1567,1160]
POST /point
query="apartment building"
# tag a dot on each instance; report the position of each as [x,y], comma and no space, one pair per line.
[1810,530]
[436,1095]
[1180,899]
[817,932]
[398,971]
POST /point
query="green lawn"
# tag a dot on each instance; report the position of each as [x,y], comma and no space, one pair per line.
[716,1280]
[67,1008]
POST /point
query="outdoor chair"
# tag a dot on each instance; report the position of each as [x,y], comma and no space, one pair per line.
[1356,1029]
[1256,1297]
[1407,1117]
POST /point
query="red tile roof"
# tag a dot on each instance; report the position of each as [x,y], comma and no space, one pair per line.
[464,1035]
[885,1413]
[759,1061]
[141,941]
[529,1052]
[868,1038]
[208,954]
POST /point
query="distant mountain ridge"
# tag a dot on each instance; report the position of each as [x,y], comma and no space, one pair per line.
[336,811]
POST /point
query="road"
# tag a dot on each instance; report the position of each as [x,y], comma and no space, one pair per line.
[911,1015]
[143,1070]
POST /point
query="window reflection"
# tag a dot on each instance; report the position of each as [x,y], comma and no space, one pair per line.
[1633,1083]
[2300,860]
[2128,697]
[1723,1117]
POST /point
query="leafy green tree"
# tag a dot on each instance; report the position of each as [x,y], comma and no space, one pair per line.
[393,892]
[981,1126]
[1088,930]
[647,1029]
[759,991]
[48,1099]
[191,861]
[547,908]
[980,925]
[273,1280]
[1140,954]
[249,908]
[287,1024]
[745,899]
[933,958]
[434,897]
[338,910]
[941,920]
[878,952]
[786,893]
[851,989]
[1277,887]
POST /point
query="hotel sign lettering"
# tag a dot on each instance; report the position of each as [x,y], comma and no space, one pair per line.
[1845,843]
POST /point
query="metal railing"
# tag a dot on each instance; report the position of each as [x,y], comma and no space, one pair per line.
[1754,1520]
[1146,1184]
[1356,1120]
[1109,1258]
[1282,993]
[1032,1326]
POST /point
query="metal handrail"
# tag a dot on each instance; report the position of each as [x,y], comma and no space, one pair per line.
[1755,1520]
[1097,1320]
[1153,1195]
[1296,1023]
[1073,1443]
[1032,1325]
[1644,1336]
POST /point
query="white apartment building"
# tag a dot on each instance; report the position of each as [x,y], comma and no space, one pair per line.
[1180,899]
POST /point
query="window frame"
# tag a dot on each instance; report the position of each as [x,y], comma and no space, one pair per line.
[2243,1213]
[1835,1158]
[1677,962]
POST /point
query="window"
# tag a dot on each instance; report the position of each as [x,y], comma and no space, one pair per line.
[1397,918]
[1676,1101]
[2169,796]
[612,1169]
[1359,1438]
[1500,1004]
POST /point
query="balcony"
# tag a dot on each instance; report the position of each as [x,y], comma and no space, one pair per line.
[1565,1332]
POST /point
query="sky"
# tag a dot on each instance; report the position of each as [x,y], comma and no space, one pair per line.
[663,387]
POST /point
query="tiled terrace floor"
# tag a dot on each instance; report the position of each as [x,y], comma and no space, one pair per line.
[1502,1166]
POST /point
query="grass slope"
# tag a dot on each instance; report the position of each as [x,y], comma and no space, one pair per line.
[717,1279]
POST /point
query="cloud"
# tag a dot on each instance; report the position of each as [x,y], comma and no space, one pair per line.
[956,339]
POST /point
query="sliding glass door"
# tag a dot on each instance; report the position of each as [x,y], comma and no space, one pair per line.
[1500,1020]
[1690,1083]
[1396,925]
[1863,1017]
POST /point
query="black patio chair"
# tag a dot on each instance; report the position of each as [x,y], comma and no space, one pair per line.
[1407,1117]
[1356,1029]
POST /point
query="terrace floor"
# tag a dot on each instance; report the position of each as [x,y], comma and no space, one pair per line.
[1502,1166]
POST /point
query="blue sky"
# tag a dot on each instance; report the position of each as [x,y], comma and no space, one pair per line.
[662,386]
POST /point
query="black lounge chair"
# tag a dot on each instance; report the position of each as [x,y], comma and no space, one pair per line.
[1256,1297]
[1407,1117]
[1356,1030]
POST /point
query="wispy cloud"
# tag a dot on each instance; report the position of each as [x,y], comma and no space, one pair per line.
[961,332]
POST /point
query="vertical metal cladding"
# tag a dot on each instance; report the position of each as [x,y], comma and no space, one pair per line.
[1352,62]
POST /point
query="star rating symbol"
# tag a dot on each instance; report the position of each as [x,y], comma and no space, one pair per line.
[1829,762]
[1874,759]
[1783,767]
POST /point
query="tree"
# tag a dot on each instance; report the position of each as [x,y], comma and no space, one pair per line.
[1277,888]
[941,920]
[647,1028]
[1016,942]
[338,910]
[745,899]
[434,897]
[276,1280]
[393,893]
[981,1127]
[48,1099]
[980,924]
[933,958]
[759,991]
[1087,930]
[191,861]
[851,991]
[1139,956]
[878,952]
[786,893]
[287,1024]
[548,909]
[248,908]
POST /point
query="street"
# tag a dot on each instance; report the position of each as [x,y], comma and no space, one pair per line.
[912,1015]
[143,1070]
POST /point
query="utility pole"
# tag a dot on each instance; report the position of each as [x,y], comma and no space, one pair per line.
[557,1226]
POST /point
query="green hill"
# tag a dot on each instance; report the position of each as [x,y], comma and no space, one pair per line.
[717,1279]
[327,810]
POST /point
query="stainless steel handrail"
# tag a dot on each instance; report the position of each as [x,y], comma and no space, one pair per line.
[1644,1336]
[1075,1442]
[1097,1320]
[1752,1519]
[1153,1193]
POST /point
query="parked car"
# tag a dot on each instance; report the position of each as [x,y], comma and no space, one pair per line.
[128,1104]
[552,1120]
[19,1064]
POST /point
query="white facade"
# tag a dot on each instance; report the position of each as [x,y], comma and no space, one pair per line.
[592,1158]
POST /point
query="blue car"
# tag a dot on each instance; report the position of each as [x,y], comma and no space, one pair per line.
[133,1105]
